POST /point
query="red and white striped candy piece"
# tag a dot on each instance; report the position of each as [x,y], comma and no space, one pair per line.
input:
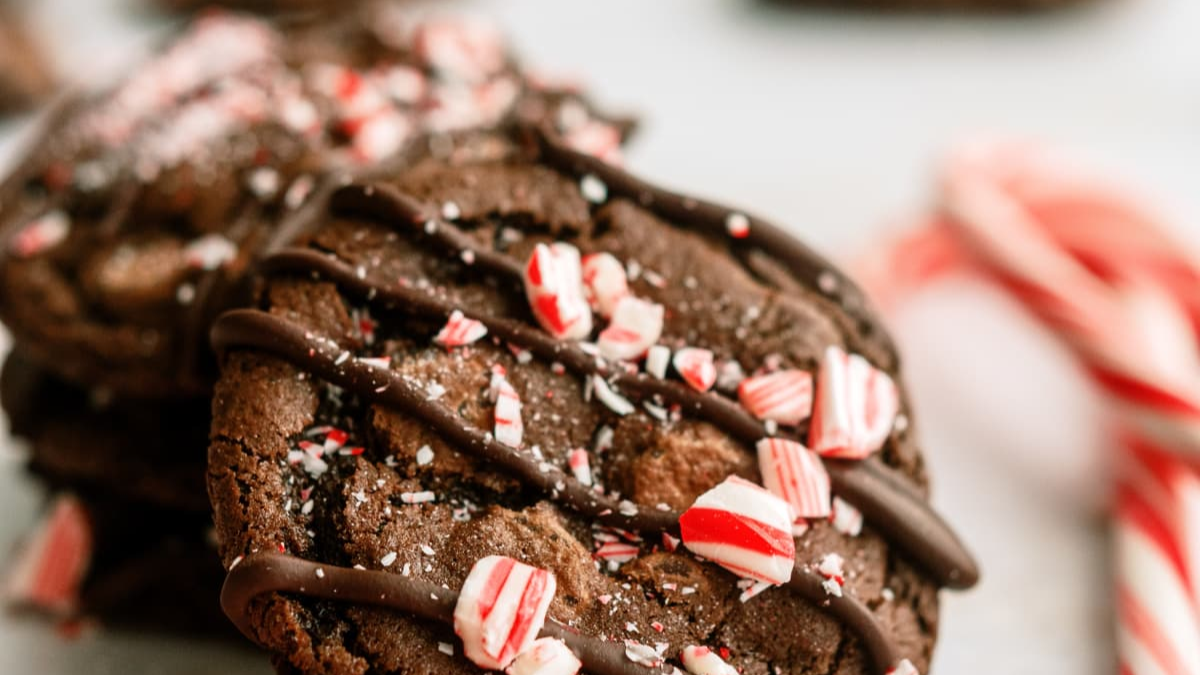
[699,660]
[784,396]
[616,552]
[743,528]
[604,282]
[600,140]
[509,427]
[380,136]
[581,465]
[696,367]
[460,49]
[855,407]
[546,656]
[795,474]
[41,234]
[52,562]
[459,331]
[636,325]
[501,609]
[554,287]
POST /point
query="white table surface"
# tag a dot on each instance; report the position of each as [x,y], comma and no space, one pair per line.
[829,123]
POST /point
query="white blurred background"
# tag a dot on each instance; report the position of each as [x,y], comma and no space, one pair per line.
[830,123]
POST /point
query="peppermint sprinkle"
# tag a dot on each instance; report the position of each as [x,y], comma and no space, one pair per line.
[738,225]
[388,559]
[446,648]
[423,497]
[320,573]
[426,549]
[593,189]
[614,401]
[424,455]
[450,211]
[753,589]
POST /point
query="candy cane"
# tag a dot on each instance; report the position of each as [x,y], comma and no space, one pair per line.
[1095,267]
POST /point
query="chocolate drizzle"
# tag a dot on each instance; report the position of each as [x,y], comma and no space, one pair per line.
[267,572]
[884,496]
[877,490]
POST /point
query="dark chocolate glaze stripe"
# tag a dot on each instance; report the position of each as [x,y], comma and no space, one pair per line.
[804,263]
[275,335]
[269,572]
[880,492]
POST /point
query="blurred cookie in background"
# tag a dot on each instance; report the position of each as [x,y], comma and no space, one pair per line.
[26,74]
[139,214]
[125,448]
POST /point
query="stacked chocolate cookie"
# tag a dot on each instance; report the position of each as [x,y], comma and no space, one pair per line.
[483,401]
[138,217]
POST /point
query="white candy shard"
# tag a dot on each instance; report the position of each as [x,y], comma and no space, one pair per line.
[636,325]
[658,358]
[845,518]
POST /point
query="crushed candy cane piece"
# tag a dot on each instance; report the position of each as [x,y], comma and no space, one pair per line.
[50,565]
[696,367]
[832,567]
[752,589]
[795,474]
[854,407]
[41,234]
[845,518]
[743,528]
[509,428]
[581,465]
[704,661]
[610,398]
[658,358]
[738,225]
[501,609]
[636,325]
[593,189]
[600,140]
[784,396]
[546,656]
[459,331]
[209,252]
[616,552]
[554,287]
[460,49]
[643,655]
[604,282]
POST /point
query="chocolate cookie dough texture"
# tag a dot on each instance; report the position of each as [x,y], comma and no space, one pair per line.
[527,412]
[135,219]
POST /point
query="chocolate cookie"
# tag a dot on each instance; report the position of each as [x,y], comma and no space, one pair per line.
[145,450]
[120,564]
[505,369]
[26,77]
[133,221]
